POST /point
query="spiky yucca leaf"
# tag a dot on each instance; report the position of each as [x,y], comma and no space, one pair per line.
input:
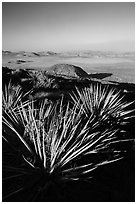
[67,142]
[106,104]
[12,96]
[59,145]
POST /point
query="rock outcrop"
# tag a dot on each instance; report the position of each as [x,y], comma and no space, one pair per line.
[67,70]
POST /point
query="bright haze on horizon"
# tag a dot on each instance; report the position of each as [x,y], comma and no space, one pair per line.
[62,26]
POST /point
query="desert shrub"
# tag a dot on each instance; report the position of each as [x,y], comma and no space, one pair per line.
[41,80]
[104,104]
[60,142]
[12,96]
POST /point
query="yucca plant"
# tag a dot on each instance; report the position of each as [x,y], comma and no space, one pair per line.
[57,144]
[12,96]
[105,104]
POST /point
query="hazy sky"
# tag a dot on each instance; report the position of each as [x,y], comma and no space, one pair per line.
[68,26]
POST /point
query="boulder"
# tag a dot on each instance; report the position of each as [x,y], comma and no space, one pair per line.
[68,71]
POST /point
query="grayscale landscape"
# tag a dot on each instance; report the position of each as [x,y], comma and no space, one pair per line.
[68,102]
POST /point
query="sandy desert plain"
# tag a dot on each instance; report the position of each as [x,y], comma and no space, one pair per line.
[120,65]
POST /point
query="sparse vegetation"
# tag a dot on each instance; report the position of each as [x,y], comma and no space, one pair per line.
[12,96]
[60,141]
[105,104]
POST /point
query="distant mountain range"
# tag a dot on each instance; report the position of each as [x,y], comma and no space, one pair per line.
[85,54]
[28,54]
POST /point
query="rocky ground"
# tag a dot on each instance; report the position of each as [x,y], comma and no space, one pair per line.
[60,78]
[119,66]
[115,182]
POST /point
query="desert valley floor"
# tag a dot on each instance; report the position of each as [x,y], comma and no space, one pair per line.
[120,65]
